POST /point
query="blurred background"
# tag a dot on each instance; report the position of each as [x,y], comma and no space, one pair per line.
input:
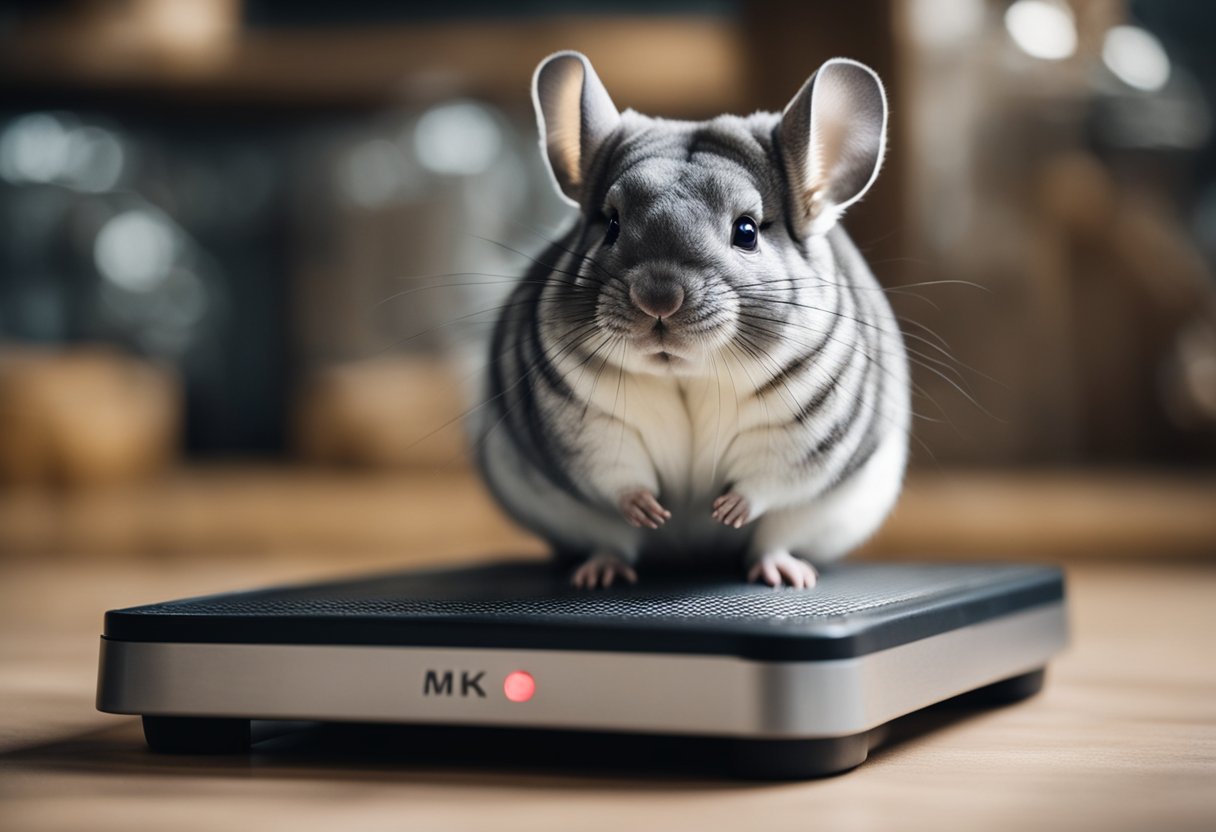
[249,251]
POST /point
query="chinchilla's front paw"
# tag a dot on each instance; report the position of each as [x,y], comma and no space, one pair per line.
[640,508]
[733,509]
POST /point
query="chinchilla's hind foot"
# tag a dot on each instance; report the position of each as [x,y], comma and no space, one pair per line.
[777,568]
[602,570]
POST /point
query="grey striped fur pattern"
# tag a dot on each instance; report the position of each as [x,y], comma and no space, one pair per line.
[703,369]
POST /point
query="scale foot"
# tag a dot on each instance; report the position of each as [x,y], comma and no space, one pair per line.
[196,735]
[799,759]
[1007,691]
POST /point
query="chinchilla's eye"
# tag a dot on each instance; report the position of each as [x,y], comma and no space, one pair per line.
[746,234]
[614,229]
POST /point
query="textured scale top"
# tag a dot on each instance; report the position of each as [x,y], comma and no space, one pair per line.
[856,607]
[497,591]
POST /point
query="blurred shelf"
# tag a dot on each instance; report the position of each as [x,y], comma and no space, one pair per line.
[294,511]
[677,66]
[1054,514]
[262,510]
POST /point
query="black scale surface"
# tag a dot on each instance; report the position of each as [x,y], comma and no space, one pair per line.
[856,608]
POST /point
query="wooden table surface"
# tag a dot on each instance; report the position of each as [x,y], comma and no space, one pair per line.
[1123,737]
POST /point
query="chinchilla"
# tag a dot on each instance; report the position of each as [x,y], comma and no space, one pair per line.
[702,370]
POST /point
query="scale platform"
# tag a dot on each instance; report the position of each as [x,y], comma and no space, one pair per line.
[507,659]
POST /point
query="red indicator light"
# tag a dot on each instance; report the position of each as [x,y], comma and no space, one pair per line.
[519,686]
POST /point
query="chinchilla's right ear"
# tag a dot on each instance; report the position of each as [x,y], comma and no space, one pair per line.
[574,114]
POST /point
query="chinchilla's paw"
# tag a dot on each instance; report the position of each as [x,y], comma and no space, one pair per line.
[602,570]
[733,509]
[640,508]
[777,568]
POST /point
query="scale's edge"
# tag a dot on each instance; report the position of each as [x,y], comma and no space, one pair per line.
[743,698]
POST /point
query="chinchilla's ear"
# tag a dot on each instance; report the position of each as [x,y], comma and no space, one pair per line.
[574,114]
[833,135]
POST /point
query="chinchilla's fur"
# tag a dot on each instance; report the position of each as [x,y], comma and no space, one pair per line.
[703,368]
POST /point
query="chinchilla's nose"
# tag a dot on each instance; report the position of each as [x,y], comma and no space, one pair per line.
[657,297]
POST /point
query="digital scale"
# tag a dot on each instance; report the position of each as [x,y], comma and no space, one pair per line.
[507,658]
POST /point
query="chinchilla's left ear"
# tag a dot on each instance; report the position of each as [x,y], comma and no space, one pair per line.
[574,114]
[833,135]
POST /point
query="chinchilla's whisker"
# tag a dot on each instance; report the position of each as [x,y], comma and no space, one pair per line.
[466,319]
[507,411]
[583,258]
[912,384]
[920,359]
[536,261]
[914,336]
[925,328]
[398,295]
[873,409]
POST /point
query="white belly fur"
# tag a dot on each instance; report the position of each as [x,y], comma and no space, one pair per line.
[686,426]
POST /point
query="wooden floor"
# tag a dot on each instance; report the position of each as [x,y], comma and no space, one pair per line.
[1123,737]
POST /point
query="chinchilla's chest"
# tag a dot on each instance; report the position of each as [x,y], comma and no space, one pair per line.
[687,428]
